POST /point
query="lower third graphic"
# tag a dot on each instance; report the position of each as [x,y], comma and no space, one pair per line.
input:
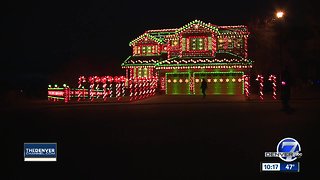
[40,151]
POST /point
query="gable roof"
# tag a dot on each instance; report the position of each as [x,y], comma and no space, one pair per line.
[219,58]
[201,24]
[144,35]
[161,33]
[240,30]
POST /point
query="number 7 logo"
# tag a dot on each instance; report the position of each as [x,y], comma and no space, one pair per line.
[287,148]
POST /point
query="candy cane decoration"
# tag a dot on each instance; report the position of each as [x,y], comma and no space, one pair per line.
[144,86]
[81,79]
[260,79]
[68,94]
[110,80]
[118,90]
[136,88]
[91,80]
[123,89]
[104,86]
[140,87]
[152,85]
[97,81]
[120,87]
[246,85]
[148,89]
[79,86]
[65,93]
[273,79]
[131,89]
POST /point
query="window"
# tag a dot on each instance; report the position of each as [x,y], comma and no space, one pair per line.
[139,50]
[174,43]
[239,43]
[149,49]
[135,50]
[220,43]
[226,43]
[196,44]
[144,49]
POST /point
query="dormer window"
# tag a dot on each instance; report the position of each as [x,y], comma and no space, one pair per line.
[145,50]
[149,50]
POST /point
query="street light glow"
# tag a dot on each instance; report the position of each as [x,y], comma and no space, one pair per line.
[279,14]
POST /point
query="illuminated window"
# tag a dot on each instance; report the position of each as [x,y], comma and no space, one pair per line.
[136,50]
[144,50]
[221,43]
[148,50]
[196,44]
[174,42]
[230,45]
[239,43]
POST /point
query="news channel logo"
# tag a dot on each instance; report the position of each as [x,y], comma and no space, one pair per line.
[288,150]
[40,151]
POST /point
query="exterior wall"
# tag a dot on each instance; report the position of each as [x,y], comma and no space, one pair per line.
[188,81]
[236,45]
[189,42]
[141,72]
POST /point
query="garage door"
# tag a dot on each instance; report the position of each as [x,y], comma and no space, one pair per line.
[177,83]
[219,83]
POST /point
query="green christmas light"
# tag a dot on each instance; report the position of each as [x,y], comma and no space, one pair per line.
[229,87]
[148,36]
[54,97]
[177,87]
[201,49]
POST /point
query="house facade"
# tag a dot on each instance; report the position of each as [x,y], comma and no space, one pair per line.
[182,57]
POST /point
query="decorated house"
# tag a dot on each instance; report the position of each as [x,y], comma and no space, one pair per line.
[182,57]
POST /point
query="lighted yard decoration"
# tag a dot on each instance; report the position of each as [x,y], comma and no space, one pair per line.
[114,89]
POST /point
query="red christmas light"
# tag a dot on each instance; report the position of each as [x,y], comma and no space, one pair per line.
[91,81]
[273,79]
[260,79]
[246,79]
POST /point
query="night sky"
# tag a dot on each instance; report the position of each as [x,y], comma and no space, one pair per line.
[50,39]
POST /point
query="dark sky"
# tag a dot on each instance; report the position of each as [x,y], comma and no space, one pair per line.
[43,38]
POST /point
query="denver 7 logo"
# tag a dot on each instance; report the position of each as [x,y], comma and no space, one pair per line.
[289,146]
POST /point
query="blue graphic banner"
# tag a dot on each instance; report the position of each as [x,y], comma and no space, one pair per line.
[40,151]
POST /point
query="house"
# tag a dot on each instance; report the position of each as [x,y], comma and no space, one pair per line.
[182,57]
